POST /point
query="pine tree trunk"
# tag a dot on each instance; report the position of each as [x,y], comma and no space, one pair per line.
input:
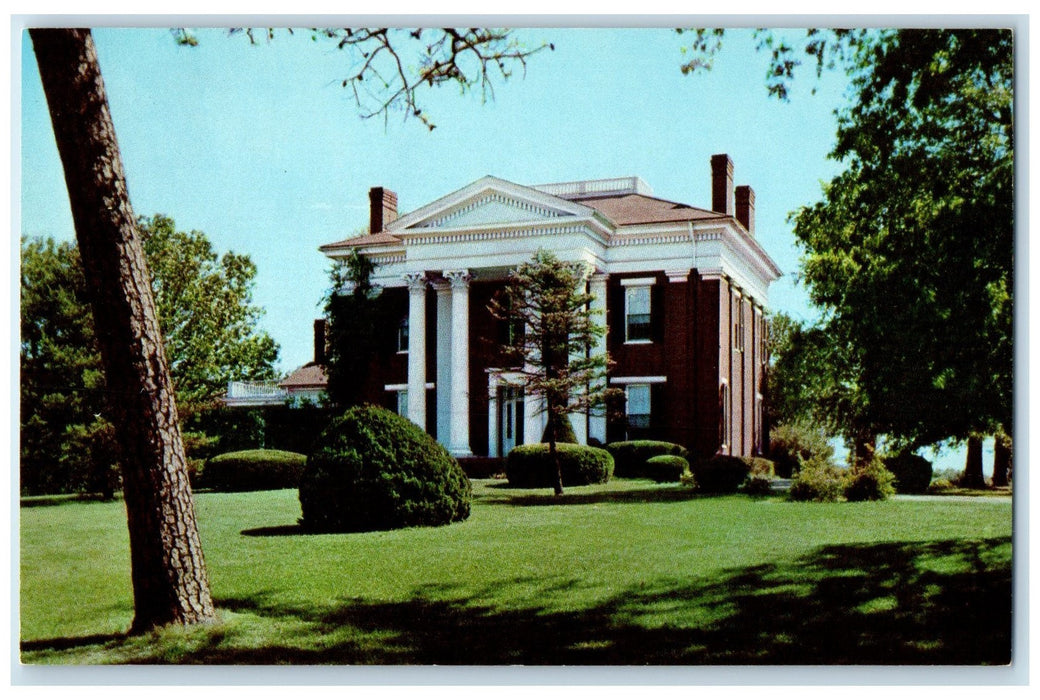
[972,477]
[1001,459]
[554,456]
[167,567]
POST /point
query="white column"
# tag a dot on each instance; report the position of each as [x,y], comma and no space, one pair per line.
[443,361]
[493,414]
[598,290]
[416,347]
[459,431]
[579,419]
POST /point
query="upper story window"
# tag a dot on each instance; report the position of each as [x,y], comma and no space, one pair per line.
[402,335]
[738,325]
[637,310]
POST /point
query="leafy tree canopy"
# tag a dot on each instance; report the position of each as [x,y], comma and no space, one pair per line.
[209,324]
[910,253]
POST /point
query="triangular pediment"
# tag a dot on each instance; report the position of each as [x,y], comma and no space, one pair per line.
[489,202]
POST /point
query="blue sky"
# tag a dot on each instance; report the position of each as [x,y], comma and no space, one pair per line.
[260,147]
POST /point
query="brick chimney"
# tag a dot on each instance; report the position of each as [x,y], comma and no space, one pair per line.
[746,208]
[722,184]
[382,208]
[320,341]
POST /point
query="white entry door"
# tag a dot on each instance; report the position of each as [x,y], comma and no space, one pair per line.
[511,418]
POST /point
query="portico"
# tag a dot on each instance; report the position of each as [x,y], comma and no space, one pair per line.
[680,289]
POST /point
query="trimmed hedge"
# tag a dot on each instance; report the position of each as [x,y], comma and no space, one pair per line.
[913,473]
[630,457]
[253,470]
[666,468]
[529,466]
[374,470]
[721,473]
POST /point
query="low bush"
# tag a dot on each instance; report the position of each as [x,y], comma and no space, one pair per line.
[761,467]
[252,470]
[818,480]
[941,486]
[913,473]
[530,466]
[872,482]
[375,470]
[630,456]
[721,474]
[666,468]
[758,485]
[792,443]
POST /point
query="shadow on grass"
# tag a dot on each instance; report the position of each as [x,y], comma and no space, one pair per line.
[66,643]
[945,602]
[651,493]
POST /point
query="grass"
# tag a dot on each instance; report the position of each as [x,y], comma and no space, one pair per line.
[625,573]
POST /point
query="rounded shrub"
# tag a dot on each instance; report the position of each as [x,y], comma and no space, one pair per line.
[913,473]
[870,483]
[372,469]
[721,473]
[666,468]
[253,470]
[531,466]
[630,456]
[818,480]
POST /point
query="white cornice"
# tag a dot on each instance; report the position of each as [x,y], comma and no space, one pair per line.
[481,190]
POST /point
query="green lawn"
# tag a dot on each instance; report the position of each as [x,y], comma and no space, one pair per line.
[626,573]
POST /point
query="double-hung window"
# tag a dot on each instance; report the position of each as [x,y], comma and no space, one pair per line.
[637,406]
[402,402]
[637,310]
[402,335]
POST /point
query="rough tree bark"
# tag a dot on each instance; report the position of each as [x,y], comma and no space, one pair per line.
[167,568]
[1001,459]
[973,477]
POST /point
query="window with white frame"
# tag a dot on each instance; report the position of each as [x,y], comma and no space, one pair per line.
[402,402]
[738,326]
[725,428]
[402,335]
[637,406]
[637,313]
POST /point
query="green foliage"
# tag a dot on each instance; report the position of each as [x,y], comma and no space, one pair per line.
[792,443]
[760,466]
[666,468]
[915,337]
[912,472]
[208,321]
[374,470]
[531,466]
[546,298]
[361,325]
[758,485]
[892,254]
[283,427]
[253,470]
[208,324]
[820,480]
[721,473]
[870,482]
[630,456]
